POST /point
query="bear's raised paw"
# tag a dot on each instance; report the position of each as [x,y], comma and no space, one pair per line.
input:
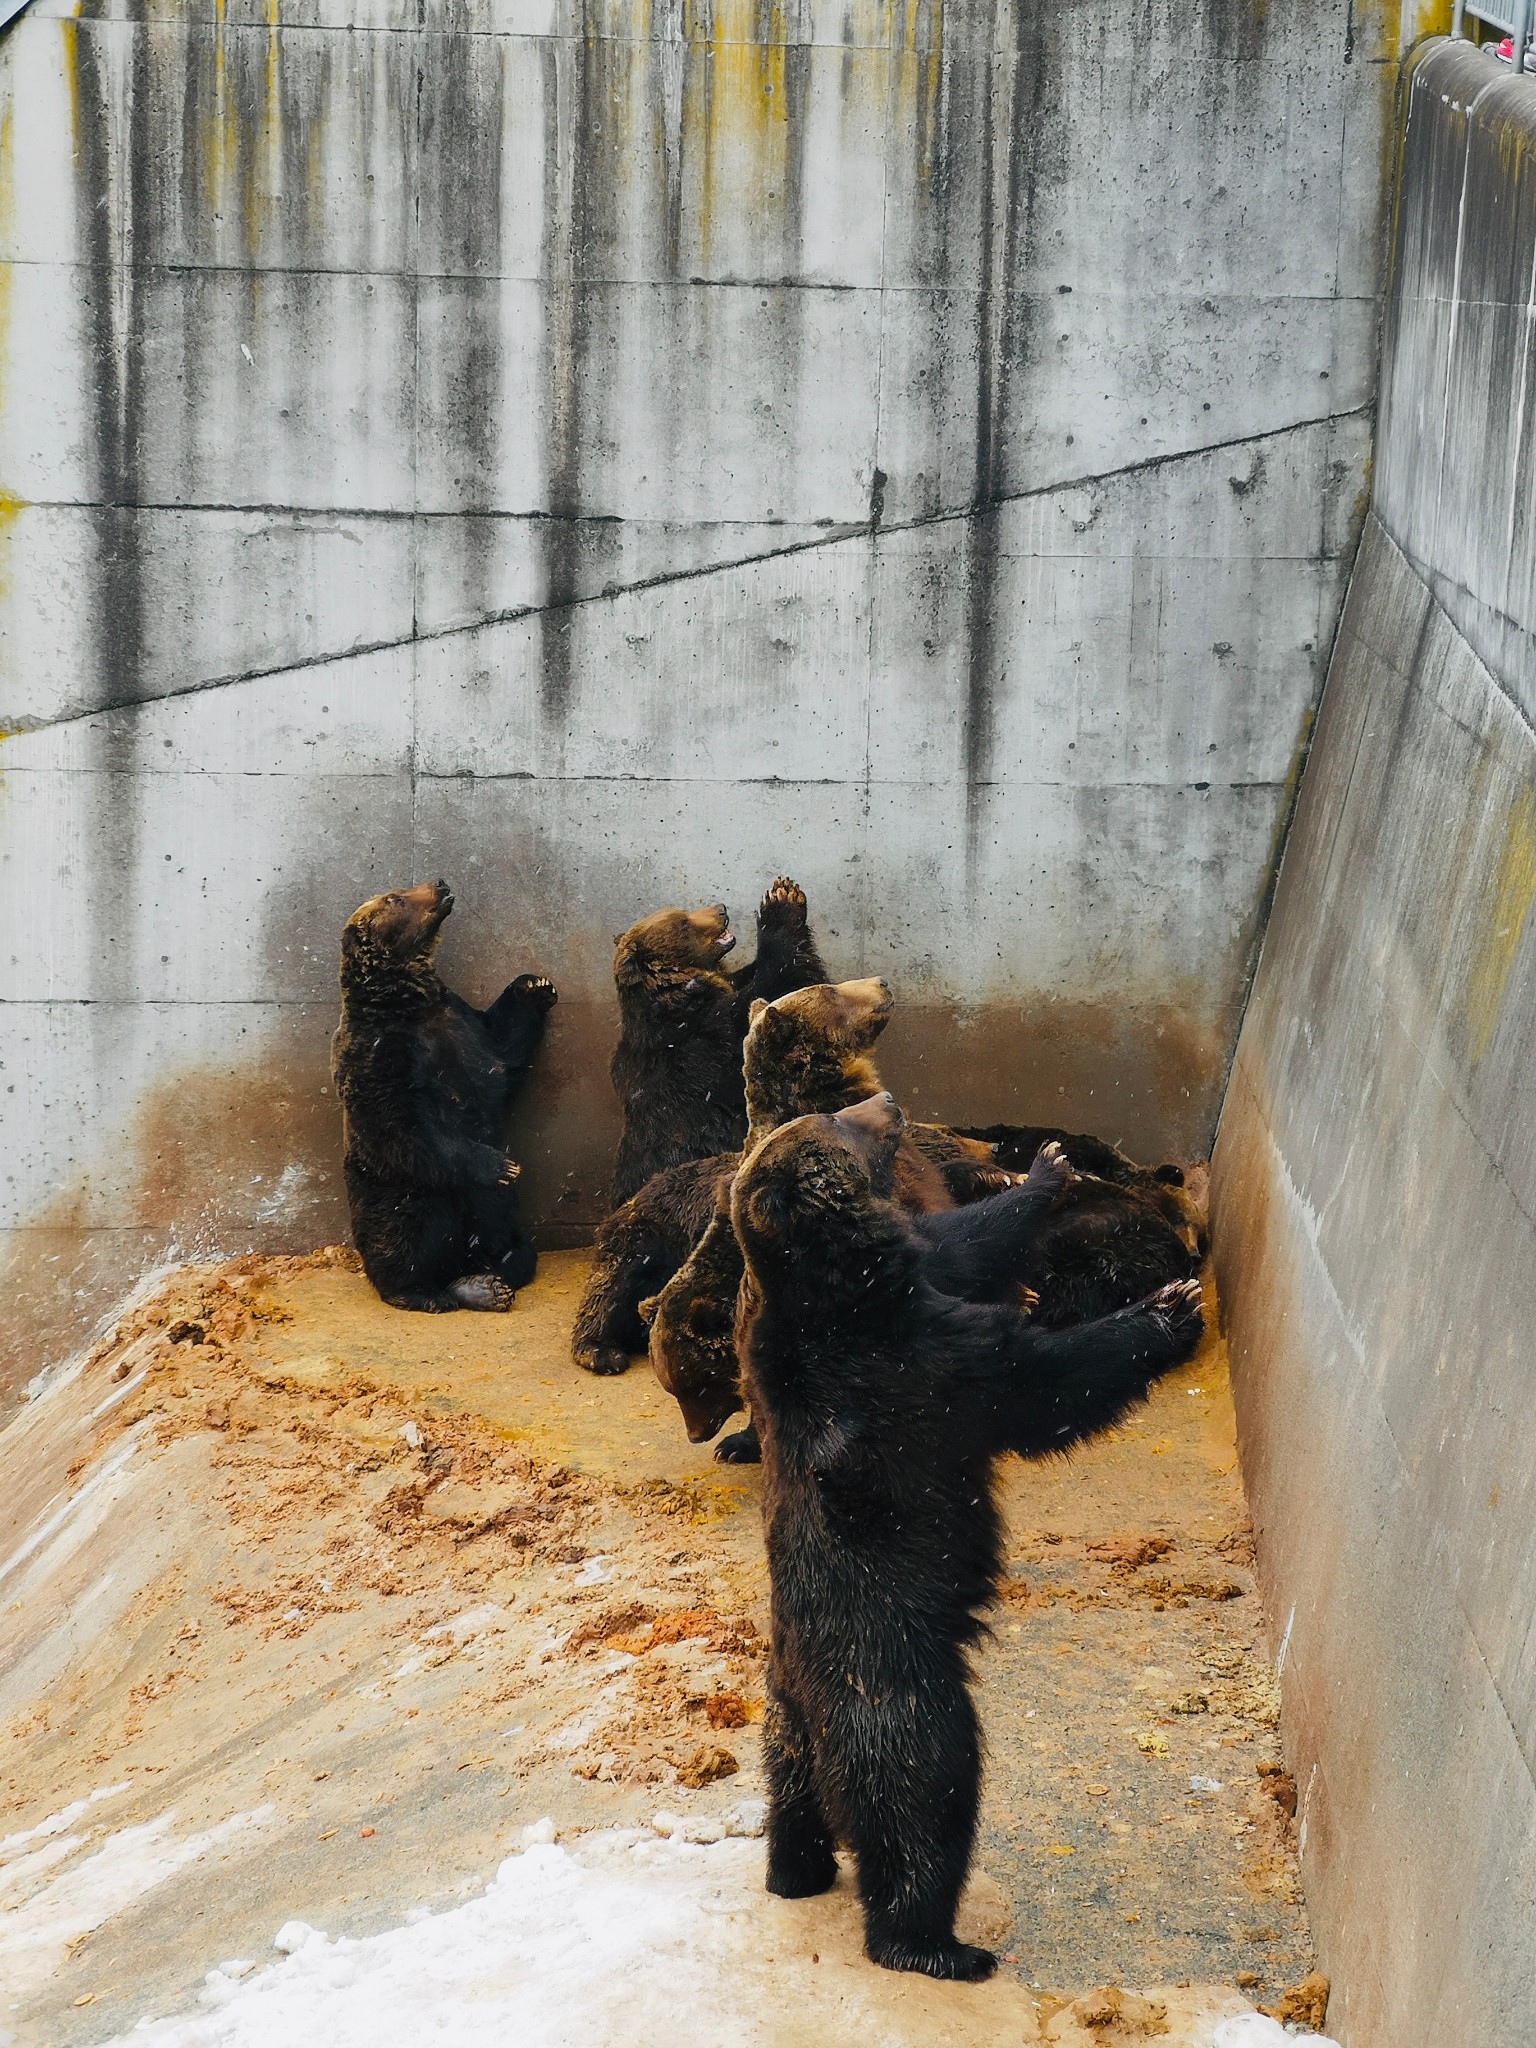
[783,903]
[741,1447]
[537,988]
[1177,1307]
[1051,1171]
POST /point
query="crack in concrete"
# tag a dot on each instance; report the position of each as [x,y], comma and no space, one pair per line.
[512,615]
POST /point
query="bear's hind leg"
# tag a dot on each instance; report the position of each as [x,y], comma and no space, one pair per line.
[631,1261]
[801,1859]
[496,1242]
[912,1778]
[475,1290]
[517,1265]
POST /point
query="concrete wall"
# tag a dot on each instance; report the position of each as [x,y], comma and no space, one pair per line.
[609,452]
[1375,1175]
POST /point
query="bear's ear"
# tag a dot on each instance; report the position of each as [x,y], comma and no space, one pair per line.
[757,1009]
[767,1210]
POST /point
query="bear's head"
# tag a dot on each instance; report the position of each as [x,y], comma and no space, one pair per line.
[673,944]
[814,1195]
[808,1051]
[394,936]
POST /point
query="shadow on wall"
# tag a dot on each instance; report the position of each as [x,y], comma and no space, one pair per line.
[248,1158]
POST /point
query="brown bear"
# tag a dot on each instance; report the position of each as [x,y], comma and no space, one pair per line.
[1093,1247]
[425,1084]
[821,1036]
[882,1405]
[677,1066]
[807,1051]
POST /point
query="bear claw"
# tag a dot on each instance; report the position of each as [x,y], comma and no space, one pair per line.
[538,987]
[957,1962]
[783,897]
[1178,1306]
[741,1447]
[607,1361]
[1051,1168]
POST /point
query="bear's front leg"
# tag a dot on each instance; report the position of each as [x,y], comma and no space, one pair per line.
[786,953]
[517,1018]
[741,1447]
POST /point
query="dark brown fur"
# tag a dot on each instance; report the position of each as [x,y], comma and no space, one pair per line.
[425,1083]
[882,1404]
[682,1018]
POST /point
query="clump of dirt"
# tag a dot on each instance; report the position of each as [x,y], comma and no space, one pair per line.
[1127,1553]
[1304,2005]
[707,1764]
[1113,2015]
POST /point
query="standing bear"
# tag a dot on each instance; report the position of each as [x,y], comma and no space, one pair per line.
[677,1066]
[425,1083]
[807,1051]
[882,1404]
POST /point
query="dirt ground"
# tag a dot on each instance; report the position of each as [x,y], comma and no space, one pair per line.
[308,1607]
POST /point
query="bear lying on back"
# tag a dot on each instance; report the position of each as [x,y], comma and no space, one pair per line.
[425,1083]
[1092,1247]
[677,1065]
[808,1050]
[882,1404]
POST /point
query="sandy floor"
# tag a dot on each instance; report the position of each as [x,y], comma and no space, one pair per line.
[308,1609]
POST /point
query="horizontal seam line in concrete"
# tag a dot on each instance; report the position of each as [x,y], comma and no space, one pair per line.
[211,24]
[411,272]
[327,518]
[307,777]
[665,578]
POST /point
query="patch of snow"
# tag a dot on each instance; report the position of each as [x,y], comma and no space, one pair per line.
[96,1484]
[18,1876]
[610,1939]
[294,1935]
[617,1938]
[66,1817]
[1257,2030]
[35,1934]
[127,1386]
[582,1727]
[597,1571]
[1199,1784]
[411,1434]
[470,1623]
[289,1183]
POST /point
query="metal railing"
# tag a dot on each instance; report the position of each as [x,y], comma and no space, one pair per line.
[1515,26]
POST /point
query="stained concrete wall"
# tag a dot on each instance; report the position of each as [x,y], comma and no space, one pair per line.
[609,452]
[1375,1174]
